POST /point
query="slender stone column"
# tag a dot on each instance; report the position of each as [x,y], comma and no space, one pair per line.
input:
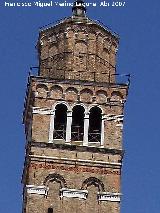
[51,129]
[102,131]
[68,127]
[86,128]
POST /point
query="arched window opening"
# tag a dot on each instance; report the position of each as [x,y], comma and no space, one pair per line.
[60,121]
[95,121]
[50,210]
[77,129]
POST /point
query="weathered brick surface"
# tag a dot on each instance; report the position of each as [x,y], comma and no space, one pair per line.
[74,47]
[77,67]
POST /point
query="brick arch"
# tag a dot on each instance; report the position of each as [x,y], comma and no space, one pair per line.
[71,94]
[86,95]
[56,92]
[93,181]
[42,90]
[55,178]
[80,104]
[116,96]
[101,96]
[61,102]
[97,106]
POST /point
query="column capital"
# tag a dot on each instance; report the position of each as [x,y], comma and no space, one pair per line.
[69,113]
[86,115]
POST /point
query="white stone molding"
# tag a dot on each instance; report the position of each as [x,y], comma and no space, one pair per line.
[73,193]
[40,190]
[119,118]
[86,128]
[68,127]
[110,117]
[42,111]
[120,125]
[109,196]
[51,127]
[116,118]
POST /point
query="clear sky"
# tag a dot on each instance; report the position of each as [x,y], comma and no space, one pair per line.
[138,24]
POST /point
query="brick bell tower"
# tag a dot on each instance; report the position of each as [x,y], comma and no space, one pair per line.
[73,120]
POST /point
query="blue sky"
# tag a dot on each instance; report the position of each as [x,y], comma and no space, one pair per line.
[138,24]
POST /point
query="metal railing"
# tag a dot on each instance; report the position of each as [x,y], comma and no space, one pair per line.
[94,136]
[59,132]
[77,133]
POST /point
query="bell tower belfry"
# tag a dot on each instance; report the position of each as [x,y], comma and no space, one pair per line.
[73,120]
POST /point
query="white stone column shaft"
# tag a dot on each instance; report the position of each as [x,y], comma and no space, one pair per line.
[68,127]
[51,129]
[102,131]
[86,128]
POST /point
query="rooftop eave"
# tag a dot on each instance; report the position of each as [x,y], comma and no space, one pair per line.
[79,20]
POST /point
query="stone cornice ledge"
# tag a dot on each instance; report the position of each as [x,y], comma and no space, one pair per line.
[37,157]
[72,147]
[73,193]
[40,190]
[109,196]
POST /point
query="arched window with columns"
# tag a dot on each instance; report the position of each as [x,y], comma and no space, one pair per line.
[95,125]
[60,122]
[77,130]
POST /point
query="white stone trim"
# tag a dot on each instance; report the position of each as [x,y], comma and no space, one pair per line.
[120,125]
[73,193]
[75,160]
[112,117]
[119,118]
[109,196]
[42,111]
[40,190]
